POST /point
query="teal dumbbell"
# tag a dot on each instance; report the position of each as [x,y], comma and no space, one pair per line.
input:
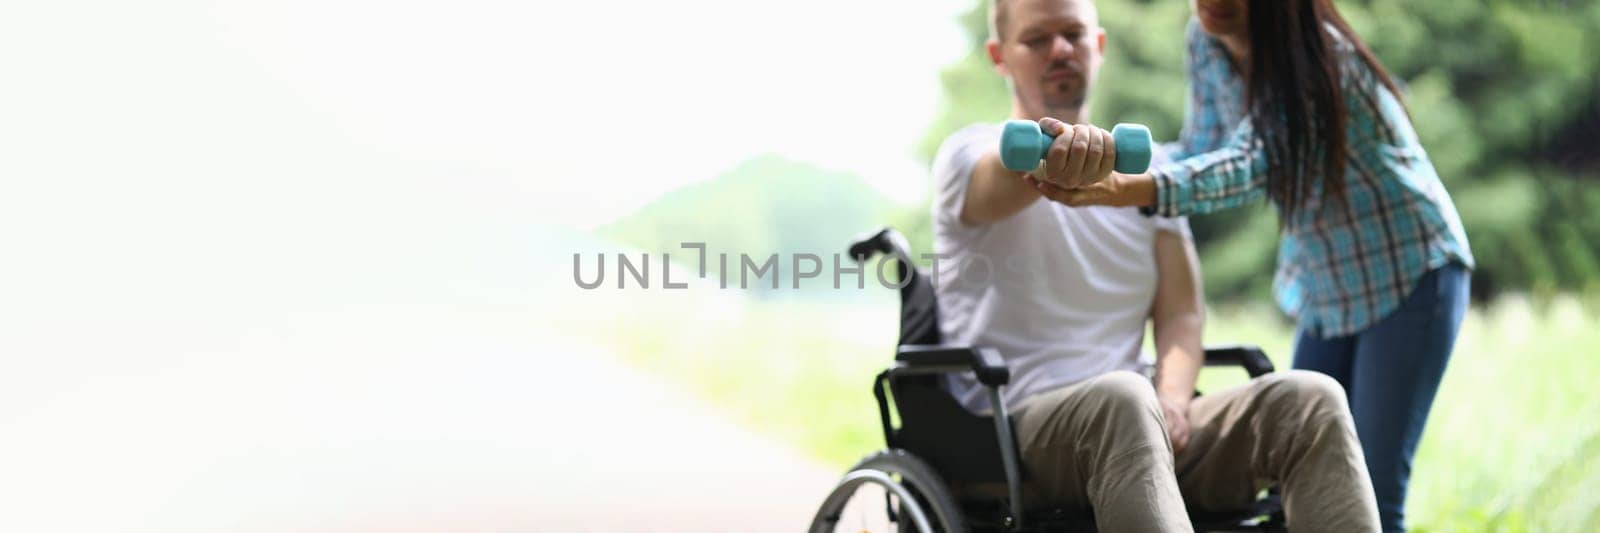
[1022,145]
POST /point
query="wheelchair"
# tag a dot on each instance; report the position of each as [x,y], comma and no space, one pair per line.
[939,445]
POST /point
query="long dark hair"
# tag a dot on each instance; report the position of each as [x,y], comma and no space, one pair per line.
[1294,97]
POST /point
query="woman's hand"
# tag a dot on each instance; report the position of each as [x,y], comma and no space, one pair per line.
[1080,155]
[1117,190]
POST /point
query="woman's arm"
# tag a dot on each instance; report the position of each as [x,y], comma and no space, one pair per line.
[1228,177]
[1218,164]
[1205,70]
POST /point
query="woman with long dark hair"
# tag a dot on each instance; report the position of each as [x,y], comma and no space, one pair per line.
[1286,103]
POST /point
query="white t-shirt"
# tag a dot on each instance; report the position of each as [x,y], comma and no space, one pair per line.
[1063,293]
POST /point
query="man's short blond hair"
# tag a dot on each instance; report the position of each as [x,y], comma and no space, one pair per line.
[997,16]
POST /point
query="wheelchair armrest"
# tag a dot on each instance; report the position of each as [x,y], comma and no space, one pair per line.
[1250,357]
[983,361]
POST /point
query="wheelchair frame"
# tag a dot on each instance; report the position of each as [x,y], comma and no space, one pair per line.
[922,451]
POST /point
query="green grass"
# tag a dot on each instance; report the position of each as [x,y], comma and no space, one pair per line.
[801,372]
[1513,443]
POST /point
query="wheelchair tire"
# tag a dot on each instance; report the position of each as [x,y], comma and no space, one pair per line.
[920,480]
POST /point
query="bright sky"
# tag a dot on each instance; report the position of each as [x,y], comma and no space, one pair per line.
[594,107]
[218,159]
[207,206]
[189,160]
[686,89]
[590,108]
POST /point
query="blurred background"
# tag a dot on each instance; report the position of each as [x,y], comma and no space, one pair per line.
[315,266]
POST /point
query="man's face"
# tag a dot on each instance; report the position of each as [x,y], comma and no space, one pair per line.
[1050,50]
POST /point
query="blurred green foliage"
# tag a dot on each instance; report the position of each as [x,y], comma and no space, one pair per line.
[766,205]
[1505,96]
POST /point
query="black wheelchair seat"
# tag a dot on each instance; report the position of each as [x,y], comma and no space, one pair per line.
[939,446]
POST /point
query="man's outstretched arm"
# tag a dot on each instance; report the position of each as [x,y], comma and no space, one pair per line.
[994,192]
[1178,315]
[997,192]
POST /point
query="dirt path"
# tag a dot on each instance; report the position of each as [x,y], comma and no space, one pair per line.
[388,418]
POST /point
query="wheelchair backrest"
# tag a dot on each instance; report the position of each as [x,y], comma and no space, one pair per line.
[959,444]
[919,308]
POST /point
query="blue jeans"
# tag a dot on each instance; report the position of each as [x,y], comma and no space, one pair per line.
[1391,371]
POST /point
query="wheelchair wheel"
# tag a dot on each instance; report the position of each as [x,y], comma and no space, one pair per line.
[923,501]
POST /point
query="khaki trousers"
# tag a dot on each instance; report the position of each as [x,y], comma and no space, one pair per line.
[1103,443]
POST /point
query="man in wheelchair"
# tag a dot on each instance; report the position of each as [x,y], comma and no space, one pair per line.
[1063,295]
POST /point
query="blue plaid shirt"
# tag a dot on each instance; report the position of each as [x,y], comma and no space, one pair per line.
[1343,267]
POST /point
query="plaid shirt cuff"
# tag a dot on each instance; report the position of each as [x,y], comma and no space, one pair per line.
[1172,186]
